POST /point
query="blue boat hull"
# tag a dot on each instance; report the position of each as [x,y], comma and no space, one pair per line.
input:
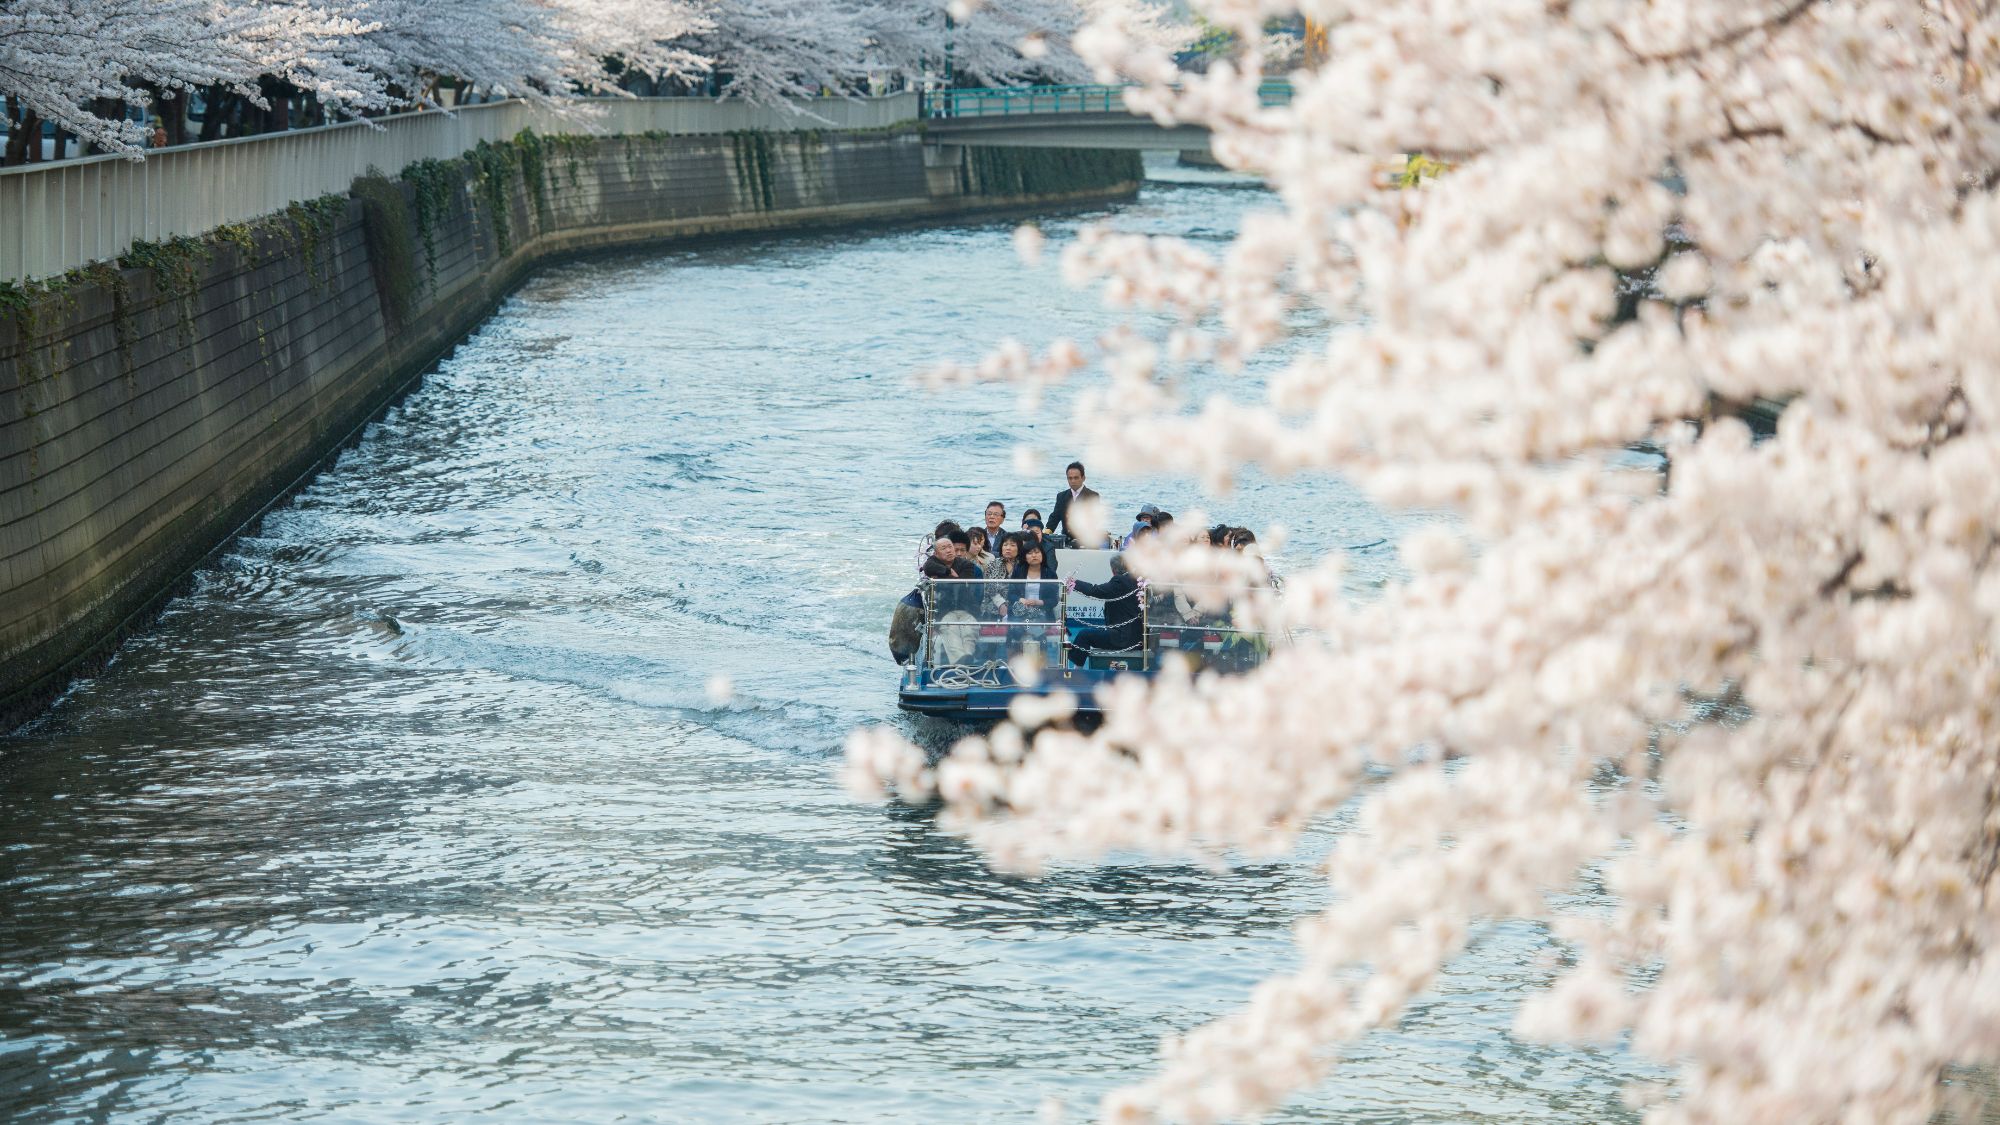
[981,705]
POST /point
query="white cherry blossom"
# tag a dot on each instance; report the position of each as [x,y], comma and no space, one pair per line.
[1754,689]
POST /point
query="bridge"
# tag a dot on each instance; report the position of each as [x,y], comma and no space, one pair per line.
[1060,117]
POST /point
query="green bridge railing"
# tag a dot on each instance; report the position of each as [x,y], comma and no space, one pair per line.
[1005,101]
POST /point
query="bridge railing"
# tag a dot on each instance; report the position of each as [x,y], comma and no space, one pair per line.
[59,216]
[1010,100]
[1003,101]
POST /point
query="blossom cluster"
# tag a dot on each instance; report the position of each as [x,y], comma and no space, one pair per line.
[76,63]
[1752,690]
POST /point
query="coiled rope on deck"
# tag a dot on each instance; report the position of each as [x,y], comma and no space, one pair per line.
[959,676]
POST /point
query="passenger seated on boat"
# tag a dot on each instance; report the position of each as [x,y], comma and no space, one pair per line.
[975,553]
[956,587]
[1036,600]
[1123,620]
[1000,594]
[1243,541]
[957,580]
[943,531]
[906,625]
[995,516]
[957,640]
[1140,523]
[1031,526]
[1196,605]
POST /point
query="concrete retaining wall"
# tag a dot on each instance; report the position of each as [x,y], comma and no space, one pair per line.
[148,411]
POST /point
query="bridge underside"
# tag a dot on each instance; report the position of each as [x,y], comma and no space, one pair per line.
[1064,130]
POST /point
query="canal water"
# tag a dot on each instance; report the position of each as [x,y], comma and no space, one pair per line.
[415,806]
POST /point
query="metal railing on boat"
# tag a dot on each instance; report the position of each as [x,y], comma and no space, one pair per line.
[973,639]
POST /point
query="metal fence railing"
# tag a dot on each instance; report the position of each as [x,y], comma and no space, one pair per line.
[974,628]
[58,216]
[1006,101]
[1009,100]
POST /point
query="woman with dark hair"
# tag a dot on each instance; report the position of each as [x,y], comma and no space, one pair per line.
[1035,601]
[976,553]
[1008,558]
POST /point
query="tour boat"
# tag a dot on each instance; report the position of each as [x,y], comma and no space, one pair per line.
[965,668]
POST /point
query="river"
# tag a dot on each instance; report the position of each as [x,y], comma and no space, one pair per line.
[414,806]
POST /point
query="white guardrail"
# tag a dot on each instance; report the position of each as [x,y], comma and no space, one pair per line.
[58,216]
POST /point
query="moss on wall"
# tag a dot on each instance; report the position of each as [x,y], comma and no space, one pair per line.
[309,226]
[1048,171]
[436,182]
[389,223]
[753,152]
[176,265]
[493,169]
[28,307]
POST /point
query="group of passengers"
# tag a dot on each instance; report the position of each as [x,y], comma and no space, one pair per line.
[1025,557]
[992,574]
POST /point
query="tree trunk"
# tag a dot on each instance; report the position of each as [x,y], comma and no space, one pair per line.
[31,136]
[174,107]
[12,153]
[278,97]
[218,108]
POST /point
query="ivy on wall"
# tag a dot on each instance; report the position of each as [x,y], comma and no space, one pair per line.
[177,266]
[490,169]
[436,182]
[308,226]
[754,153]
[389,225]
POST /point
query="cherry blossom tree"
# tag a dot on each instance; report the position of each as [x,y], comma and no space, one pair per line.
[767,50]
[1015,42]
[646,37]
[1023,41]
[79,63]
[1751,693]
[537,49]
[770,50]
[71,62]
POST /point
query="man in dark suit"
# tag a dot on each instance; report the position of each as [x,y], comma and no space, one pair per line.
[1124,622]
[1066,501]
